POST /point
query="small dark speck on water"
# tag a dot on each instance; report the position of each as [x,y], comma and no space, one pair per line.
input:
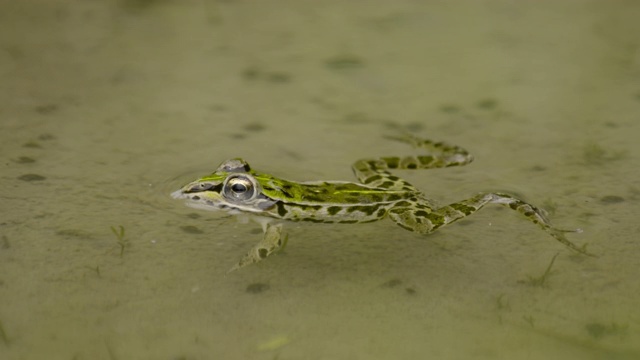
[611,199]
[279,77]
[46,109]
[344,62]
[32,145]
[31,177]
[46,137]
[392,283]
[410,291]
[450,108]
[24,160]
[190,229]
[257,288]
[487,104]
[254,127]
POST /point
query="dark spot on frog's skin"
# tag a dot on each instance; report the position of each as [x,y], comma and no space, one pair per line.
[332,210]
[368,210]
[425,159]
[31,177]
[392,162]
[372,179]
[611,199]
[312,198]
[464,208]
[257,288]
[282,211]
[189,229]
[312,207]
[195,198]
[405,203]
[286,193]
[381,212]
[394,197]
[262,253]
[412,166]
[421,213]
[387,184]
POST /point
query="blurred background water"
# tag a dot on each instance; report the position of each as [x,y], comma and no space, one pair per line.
[108,106]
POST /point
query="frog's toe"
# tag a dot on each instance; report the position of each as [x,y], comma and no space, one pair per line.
[253,256]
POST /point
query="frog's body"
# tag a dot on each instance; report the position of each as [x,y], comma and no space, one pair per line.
[237,189]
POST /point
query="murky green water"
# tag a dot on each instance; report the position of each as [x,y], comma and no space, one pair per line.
[107,106]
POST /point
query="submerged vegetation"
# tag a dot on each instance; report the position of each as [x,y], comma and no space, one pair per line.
[3,335]
[541,280]
[119,233]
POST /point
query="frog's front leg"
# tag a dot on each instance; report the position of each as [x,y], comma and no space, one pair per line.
[272,241]
[422,219]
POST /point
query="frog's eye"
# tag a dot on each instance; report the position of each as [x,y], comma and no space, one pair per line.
[239,188]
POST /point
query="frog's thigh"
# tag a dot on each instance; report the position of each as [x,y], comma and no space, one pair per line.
[271,242]
[425,220]
[412,219]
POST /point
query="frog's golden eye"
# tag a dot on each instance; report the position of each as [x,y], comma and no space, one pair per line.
[239,188]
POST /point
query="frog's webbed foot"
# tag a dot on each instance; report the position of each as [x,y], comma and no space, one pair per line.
[272,241]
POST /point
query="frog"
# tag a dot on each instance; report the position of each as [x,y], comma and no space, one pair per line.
[234,187]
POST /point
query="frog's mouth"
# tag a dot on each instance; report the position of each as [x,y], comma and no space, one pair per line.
[199,201]
[179,194]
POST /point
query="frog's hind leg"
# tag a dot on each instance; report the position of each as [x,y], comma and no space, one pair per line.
[374,172]
[424,221]
[272,241]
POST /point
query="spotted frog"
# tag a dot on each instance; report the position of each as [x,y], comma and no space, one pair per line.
[237,189]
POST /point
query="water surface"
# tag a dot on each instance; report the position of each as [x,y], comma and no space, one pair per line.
[108,106]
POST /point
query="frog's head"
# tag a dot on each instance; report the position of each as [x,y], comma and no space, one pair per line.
[232,187]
